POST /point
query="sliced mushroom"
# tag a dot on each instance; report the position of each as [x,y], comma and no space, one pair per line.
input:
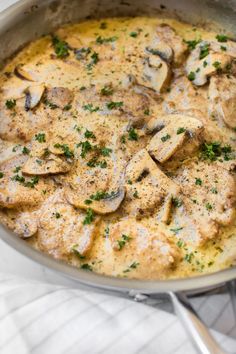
[33,96]
[182,132]
[156,73]
[161,49]
[222,96]
[59,96]
[168,38]
[147,187]
[23,74]
[200,69]
[50,165]
[104,205]
[26,225]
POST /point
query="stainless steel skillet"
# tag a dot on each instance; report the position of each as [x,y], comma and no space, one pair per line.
[28,19]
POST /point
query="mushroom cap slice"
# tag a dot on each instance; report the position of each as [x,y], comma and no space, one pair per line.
[33,96]
[17,190]
[26,225]
[182,130]
[147,187]
[202,69]
[51,165]
[106,205]
[22,73]
[168,37]
[222,95]
[156,73]
[161,49]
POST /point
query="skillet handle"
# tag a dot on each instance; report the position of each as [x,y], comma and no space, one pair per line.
[198,332]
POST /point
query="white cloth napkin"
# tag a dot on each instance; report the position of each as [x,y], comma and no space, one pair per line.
[42,318]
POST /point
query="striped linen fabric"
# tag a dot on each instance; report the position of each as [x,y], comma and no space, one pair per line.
[42,318]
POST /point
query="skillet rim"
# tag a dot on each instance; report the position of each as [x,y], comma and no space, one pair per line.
[95,280]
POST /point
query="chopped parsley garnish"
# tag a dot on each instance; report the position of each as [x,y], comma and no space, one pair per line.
[89,218]
[50,104]
[209,206]
[133,34]
[31,183]
[223,48]
[102,40]
[177,202]
[176,230]
[89,107]
[112,105]
[198,181]
[82,53]
[147,112]
[217,65]
[57,215]
[188,257]
[133,134]
[102,164]
[106,91]
[40,137]
[61,48]
[103,25]
[135,195]
[1,174]
[181,130]
[18,178]
[191,76]
[10,104]
[94,162]
[17,169]
[204,51]
[165,138]
[89,134]
[192,43]
[124,239]
[105,151]
[123,139]
[88,201]
[102,195]
[66,150]
[34,180]
[222,38]
[214,190]
[67,107]
[94,60]
[77,128]
[212,151]
[180,243]
[205,63]
[25,151]
[77,253]
[85,148]
[87,266]
[134,265]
